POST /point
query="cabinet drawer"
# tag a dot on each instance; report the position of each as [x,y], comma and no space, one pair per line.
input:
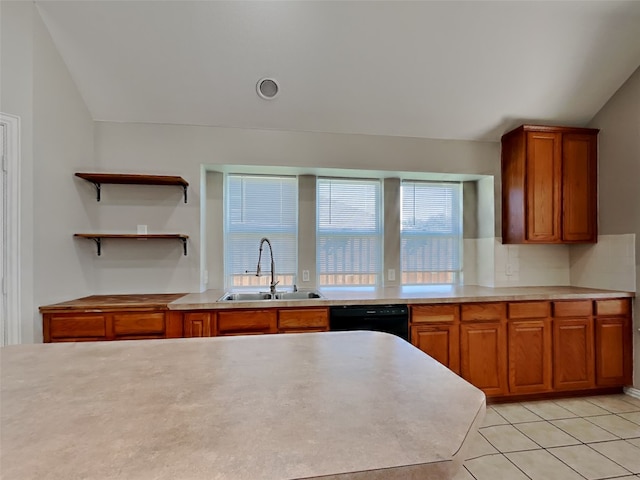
[484,311]
[529,310]
[78,326]
[303,318]
[618,306]
[138,323]
[578,308]
[247,321]
[435,313]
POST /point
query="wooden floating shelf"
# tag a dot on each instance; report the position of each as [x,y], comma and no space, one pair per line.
[133,179]
[97,237]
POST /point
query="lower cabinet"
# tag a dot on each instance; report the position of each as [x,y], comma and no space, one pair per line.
[483,346]
[573,346]
[529,340]
[440,341]
[483,356]
[530,347]
[529,356]
[87,327]
[302,320]
[435,329]
[199,324]
[613,342]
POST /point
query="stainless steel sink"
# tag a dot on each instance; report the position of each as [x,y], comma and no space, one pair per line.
[244,296]
[261,296]
[297,295]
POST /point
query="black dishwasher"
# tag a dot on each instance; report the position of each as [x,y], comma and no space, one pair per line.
[392,319]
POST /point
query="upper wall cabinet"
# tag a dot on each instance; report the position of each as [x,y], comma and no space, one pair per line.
[549,185]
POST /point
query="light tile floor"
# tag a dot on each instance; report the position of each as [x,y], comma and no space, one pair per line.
[569,439]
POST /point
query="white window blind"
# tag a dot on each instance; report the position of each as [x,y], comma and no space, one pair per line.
[256,207]
[431,232]
[349,232]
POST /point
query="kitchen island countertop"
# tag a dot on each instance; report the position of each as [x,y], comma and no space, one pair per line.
[340,405]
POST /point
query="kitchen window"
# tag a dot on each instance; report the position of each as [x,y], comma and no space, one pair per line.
[258,206]
[431,232]
[348,232]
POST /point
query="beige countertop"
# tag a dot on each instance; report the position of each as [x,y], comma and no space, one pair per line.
[338,405]
[408,295]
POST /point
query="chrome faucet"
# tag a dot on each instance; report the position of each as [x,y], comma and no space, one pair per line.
[272,285]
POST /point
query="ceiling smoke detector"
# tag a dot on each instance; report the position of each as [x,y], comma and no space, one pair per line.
[267,88]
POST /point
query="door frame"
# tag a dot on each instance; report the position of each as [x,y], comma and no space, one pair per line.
[12,226]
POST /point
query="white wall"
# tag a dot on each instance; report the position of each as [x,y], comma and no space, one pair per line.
[56,137]
[181,150]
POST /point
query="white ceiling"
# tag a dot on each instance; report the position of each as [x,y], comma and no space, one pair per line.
[434,69]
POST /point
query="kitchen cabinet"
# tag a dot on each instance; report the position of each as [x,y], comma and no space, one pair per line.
[119,325]
[439,341]
[549,185]
[199,324]
[573,345]
[435,329]
[483,347]
[247,322]
[299,320]
[613,342]
[529,347]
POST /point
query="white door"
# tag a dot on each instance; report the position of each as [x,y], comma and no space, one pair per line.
[10,311]
[3,236]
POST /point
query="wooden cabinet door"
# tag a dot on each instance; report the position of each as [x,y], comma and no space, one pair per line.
[543,172]
[297,320]
[483,356]
[440,341]
[613,351]
[579,187]
[245,322]
[573,359]
[529,355]
[199,324]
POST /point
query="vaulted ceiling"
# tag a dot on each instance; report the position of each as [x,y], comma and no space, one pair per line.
[434,69]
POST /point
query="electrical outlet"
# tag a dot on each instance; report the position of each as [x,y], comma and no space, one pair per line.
[142,229]
[508,271]
[305,275]
[391,275]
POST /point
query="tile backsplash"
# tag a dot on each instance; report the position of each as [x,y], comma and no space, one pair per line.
[608,264]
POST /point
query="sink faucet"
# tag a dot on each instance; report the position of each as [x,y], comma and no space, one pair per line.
[272,285]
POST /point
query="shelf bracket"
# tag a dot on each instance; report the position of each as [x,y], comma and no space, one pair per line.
[184,245]
[184,189]
[98,241]
[98,187]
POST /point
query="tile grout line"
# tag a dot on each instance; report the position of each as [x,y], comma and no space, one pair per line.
[579,442]
[550,453]
[612,460]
